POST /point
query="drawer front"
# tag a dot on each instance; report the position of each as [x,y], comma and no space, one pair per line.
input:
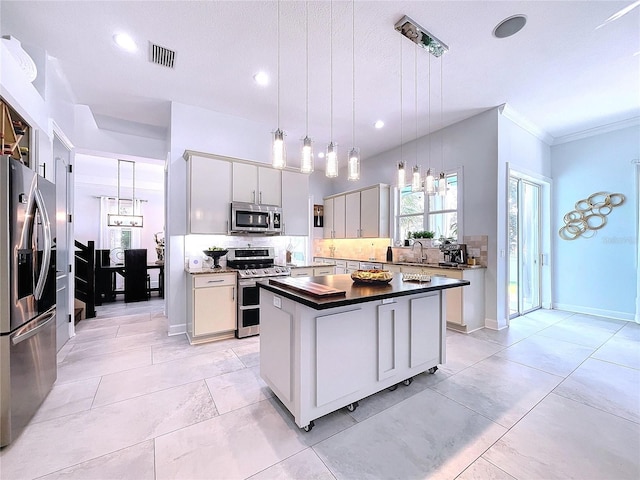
[353,265]
[302,272]
[202,281]
[318,271]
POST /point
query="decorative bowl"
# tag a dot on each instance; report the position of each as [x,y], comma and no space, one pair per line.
[215,254]
[372,276]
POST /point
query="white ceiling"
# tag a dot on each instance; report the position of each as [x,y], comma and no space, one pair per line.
[560,72]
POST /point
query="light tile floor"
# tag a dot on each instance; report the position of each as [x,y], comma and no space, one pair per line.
[557,395]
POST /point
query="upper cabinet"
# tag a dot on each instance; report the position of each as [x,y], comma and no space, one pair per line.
[362,213]
[295,203]
[209,194]
[15,134]
[256,184]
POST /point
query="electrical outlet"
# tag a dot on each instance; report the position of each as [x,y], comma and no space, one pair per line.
[277,302]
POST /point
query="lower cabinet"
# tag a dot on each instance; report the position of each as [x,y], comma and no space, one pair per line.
[465,305]
[211,307]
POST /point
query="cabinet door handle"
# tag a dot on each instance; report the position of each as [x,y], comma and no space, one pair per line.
[253,192]
[260,196]
[233,294]
[215,281]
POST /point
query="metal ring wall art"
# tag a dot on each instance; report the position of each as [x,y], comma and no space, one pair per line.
[590,215]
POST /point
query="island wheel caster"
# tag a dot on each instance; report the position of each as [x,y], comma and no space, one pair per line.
[392,387]
[352,406]
[433,370]
[407,382]
[308,428]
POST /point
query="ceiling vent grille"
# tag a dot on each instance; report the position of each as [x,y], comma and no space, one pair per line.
[162,56]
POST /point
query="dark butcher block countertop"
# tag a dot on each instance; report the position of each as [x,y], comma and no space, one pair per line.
[358,292]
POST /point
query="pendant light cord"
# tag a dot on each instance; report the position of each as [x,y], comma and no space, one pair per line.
[429,115]
[353,66]
[331,66]
[401,102]
[306,14]
[415,85]
[278,63]
[441,117]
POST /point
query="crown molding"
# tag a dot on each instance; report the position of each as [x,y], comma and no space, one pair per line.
[590,132]
[508,112]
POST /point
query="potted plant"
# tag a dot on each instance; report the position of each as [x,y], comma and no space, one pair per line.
[408,241]
[425,234]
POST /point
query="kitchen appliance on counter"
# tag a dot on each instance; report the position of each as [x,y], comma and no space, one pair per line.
[255,218]
[454,254]
[28,365]
[253,264]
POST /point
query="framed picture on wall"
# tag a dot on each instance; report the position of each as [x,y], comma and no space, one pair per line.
[318,215]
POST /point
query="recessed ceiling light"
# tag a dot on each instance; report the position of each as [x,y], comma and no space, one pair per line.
[321,155]
[261,78]
[379,124]
[125,42]
[509,26]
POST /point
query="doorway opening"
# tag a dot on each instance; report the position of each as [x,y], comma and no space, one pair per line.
[524,246]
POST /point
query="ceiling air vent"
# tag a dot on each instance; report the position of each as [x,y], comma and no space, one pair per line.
[162,56]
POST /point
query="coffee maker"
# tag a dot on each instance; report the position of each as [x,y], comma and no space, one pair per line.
[454,254]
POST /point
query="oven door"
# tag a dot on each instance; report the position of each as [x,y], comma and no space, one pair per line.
[248,308]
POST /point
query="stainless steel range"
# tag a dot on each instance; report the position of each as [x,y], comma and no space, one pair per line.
[253,264]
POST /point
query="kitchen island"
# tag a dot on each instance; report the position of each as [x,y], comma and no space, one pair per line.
[322,353]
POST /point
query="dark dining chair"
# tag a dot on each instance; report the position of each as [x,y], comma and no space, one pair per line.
[135,275]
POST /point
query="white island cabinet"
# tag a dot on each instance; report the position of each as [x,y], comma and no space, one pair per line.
[321,354]
[211,307]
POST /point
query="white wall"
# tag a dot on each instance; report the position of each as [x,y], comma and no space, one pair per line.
[521,151]
[596,275]
[471,144]
[194,128]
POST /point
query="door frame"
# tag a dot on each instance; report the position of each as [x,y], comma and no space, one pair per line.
[57,132]
[546,224]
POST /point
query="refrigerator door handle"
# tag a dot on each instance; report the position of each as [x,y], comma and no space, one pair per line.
[29,331]
[46,254]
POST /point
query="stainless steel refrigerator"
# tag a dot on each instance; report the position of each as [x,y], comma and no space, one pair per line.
[27,295]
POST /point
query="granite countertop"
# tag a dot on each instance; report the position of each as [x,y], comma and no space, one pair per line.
[359,292]
[206,270]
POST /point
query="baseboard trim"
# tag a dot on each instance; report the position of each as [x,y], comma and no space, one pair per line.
[177,329]
[493,324]
[630,317]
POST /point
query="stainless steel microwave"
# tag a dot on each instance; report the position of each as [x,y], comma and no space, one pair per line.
[255,218]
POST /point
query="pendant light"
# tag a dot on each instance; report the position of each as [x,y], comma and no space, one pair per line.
[416,181]
[354,155]
[279,155]
[401,167]
[120,218]
[331,169]
[306,163]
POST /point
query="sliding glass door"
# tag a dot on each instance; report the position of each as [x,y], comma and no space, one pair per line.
[524,246]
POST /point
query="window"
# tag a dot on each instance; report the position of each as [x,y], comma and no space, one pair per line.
[440,214]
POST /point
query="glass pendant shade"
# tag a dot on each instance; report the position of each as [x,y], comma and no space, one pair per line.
[401,175]
[331,169]
[442,184]
[306,164]
[429,186]
[279,159]
[416,181]
[354,165]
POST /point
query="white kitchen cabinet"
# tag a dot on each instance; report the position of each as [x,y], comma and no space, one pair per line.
[374,212]
[295,203]
[334,217]
[341,266]
[352,215]
[211,307]
[255,184]
[327,228]
[362,213]
[209,194]
[465,305]
[352,266]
